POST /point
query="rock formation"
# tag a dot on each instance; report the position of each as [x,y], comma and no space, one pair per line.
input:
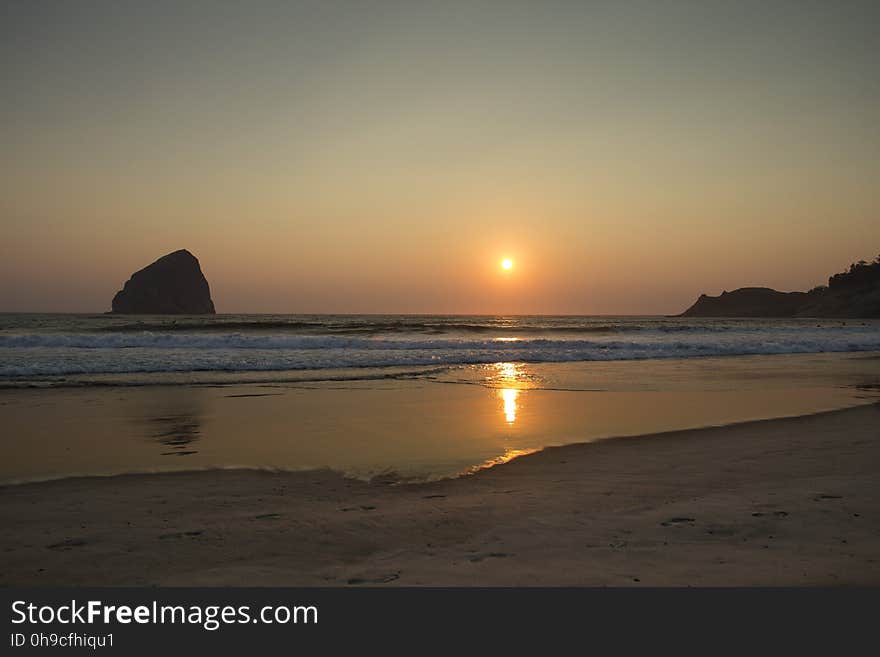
[851,294]
[747,302]
[173,285]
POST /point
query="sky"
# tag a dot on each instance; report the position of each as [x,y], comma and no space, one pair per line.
[383,157]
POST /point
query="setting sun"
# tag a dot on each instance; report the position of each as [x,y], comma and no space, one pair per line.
[507,264]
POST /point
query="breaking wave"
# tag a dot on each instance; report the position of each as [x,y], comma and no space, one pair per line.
[53,354]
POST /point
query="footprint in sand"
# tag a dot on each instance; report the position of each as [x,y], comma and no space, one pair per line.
[267,516]
[66,544]
[489,555]
[180,534]
[674,522]
[378,579]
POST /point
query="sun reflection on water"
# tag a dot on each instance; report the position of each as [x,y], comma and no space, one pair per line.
[509,378]
[508,397]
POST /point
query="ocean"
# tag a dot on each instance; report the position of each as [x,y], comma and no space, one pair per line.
[81,350]
[402,397]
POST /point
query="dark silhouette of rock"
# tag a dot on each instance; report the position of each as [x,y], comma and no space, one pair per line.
[748,302]
[173,285]
[851,294]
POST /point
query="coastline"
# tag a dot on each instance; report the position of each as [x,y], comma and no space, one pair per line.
[776,502]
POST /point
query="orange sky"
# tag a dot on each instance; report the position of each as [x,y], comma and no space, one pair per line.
[329,157]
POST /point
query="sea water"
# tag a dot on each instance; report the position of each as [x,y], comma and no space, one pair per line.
[402,397]
[52,350]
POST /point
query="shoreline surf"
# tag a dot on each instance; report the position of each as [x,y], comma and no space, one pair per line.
[38,350]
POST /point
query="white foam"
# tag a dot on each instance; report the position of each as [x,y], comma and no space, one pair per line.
[59,354]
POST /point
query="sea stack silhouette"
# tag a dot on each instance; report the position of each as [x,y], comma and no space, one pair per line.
[173,285]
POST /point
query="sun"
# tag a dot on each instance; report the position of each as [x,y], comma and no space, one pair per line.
[507,264]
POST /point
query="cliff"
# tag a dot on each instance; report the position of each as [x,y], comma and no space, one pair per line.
[747,302]
[173,285]
[851,294]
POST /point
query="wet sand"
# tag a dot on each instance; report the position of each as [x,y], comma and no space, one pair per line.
[778,502]
[423,428]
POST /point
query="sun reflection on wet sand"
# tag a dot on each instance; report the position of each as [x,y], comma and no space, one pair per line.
[508,396]
[509,379]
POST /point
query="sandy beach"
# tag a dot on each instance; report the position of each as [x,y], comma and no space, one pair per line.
[790,501]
